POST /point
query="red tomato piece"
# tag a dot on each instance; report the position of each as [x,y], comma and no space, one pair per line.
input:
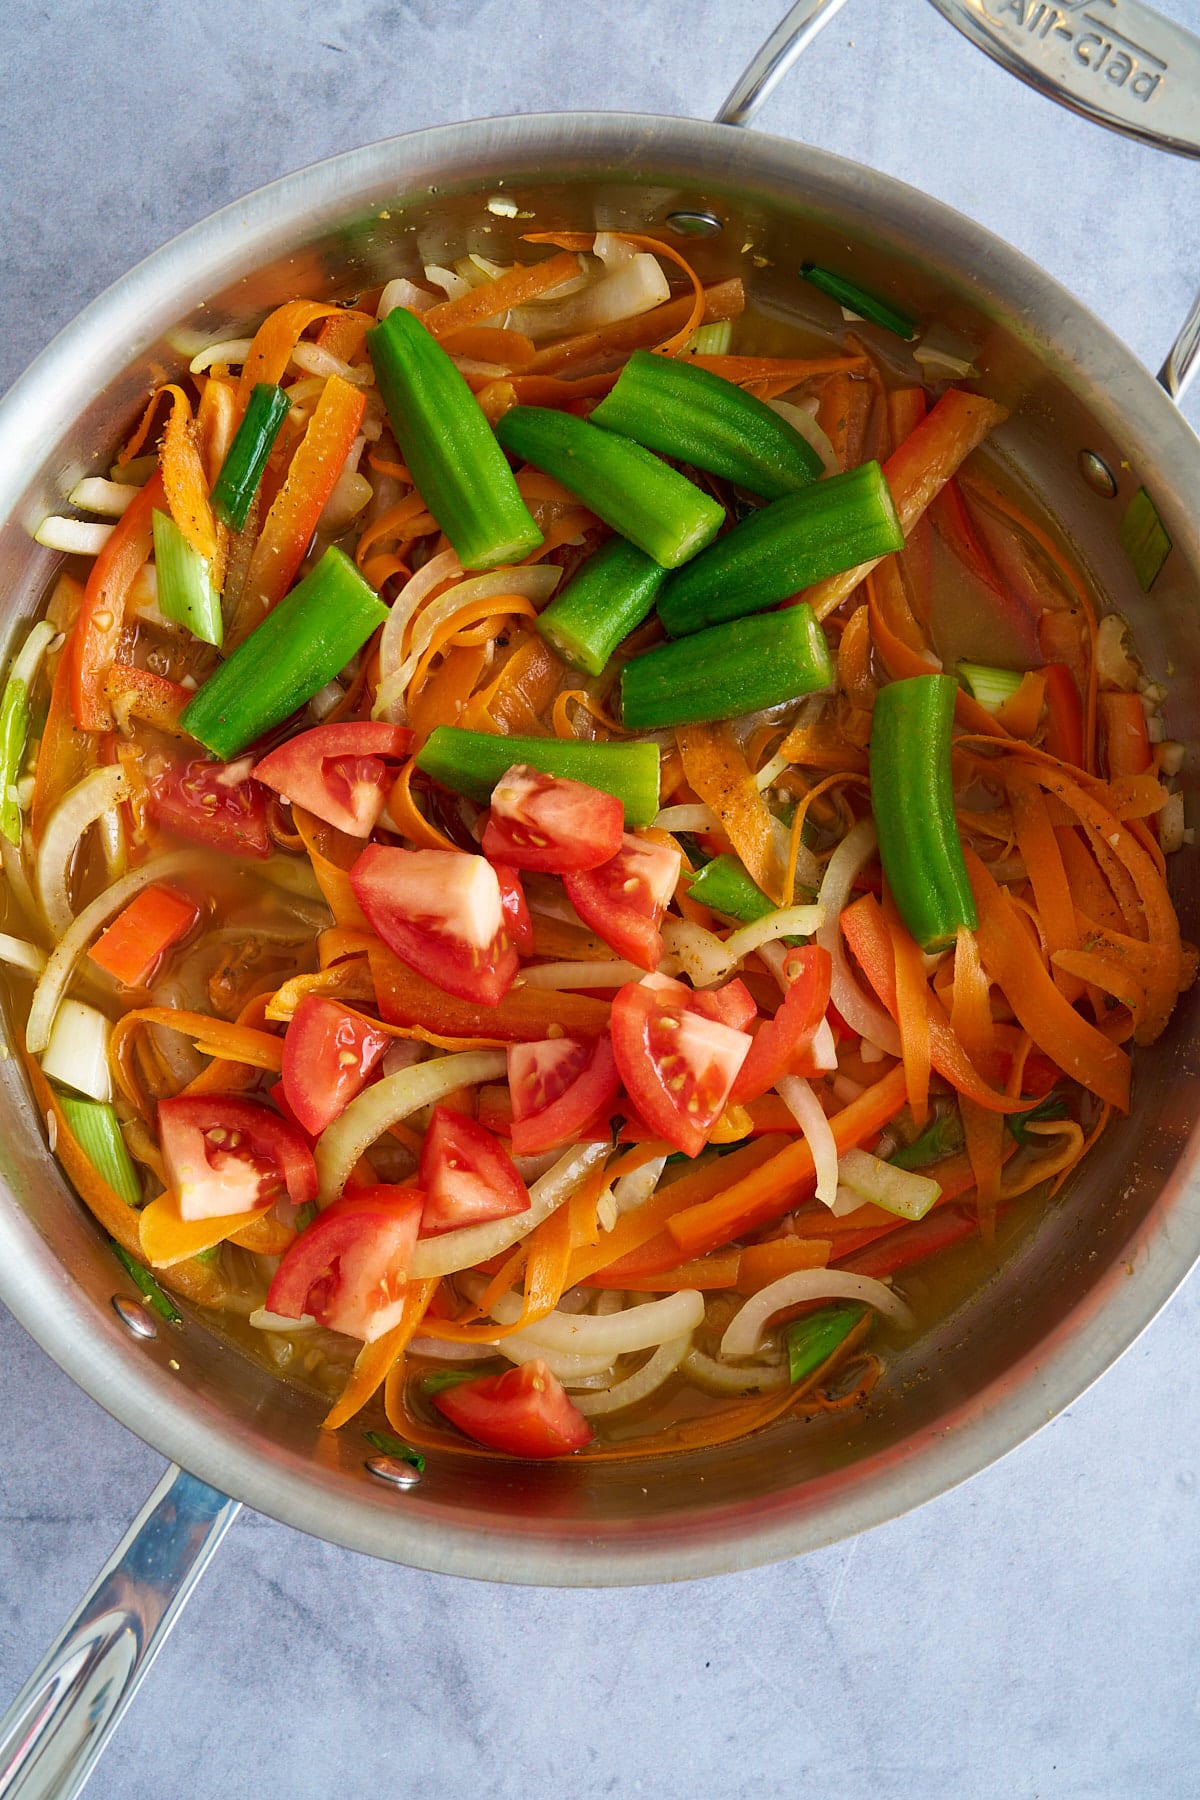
[338,772]
[467,1174]
[349,1268]
[523,1412]
[229,1155]
[732,1005]
[780,1040]
[550,823]
[328,1056]
[215,804]
[516,913]
[559,1087]
[441,912]
[677,1066]
[625,898]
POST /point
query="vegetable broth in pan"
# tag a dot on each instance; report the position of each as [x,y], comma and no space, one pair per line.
[580,864]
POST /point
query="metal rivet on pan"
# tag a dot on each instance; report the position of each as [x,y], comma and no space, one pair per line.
[1097,474]
[134,1317]
[396,1474]
[695,224]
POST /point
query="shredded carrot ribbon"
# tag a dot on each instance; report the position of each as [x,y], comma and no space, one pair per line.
[212,1037]
[578,240]
[718,772]
[514,288]
[377,1360]
[274,342]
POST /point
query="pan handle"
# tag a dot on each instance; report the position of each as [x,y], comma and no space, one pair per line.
[1117,62]
[61,1720]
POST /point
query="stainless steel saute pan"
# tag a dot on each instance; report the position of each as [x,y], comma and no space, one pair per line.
[1089,426]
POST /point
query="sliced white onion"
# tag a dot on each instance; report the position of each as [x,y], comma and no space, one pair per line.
[725,1378]
[450,282]
[810,431]
[786,921]
[74,815]
[455,1250]
[314,359]
[693,817]
[1171,824]
[809,1114]
[448,1350]
[231,351]
[108,498]
[77,1053]
[634,1189]
[443,567]
[901,1191]
[326,700]
[556,975]
[14,874]
[590,1334]
[532,1168]
[75,537]
[370,1113]
[635,288]
[861,1012]
[744,1332]
[771,771]
[262,1320]
[822,1051]
[703,955]
[403,292]
[614,252]
[18,954]
[535,583]
[643,1381]
[570,1370]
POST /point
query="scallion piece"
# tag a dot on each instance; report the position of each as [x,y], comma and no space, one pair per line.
[246,458]
[613,591]
[784,547]
[387,1445]
[440,1379]
[630,488]
[144,1281]
[1052,1107]
[943,1136]
[696,417]
[727,670]
[14,725]
[859,300]
[310,636]
[185,588]
[472,762]
[1144,539]
[813,1339]
[991,687]
[712,340]
[448,445]
[95,1129]
[725,886]
[912,797]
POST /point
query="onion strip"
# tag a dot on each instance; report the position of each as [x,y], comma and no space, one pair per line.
[609,1334]
[370,1113]
[74,815]
[861,1013]
[744,1333]
[644,1381]
[809,1114]
[454,1250]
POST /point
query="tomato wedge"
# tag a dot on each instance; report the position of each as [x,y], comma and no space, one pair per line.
[778,1041]
[348,1269]
[215,804]
[550,823]
[677,1066]
[516,912]
[625,898]
[228,1155]
[441,912]
[559,1087]
[523,1412]
[733,1005]
[338,772]
[329,1055]
[467,1174]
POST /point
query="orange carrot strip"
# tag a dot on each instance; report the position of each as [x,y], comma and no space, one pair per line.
[377,1361]
[1013,962]
[166,1237]
[657,247]
[707,1273]
[63,752]
[447,691]
[154,920]
[789,1176]
[792,369]
[912,1011]
[410,821]
[344,333]
[515,287]
[407,517]
[311,478]
[726,300]
[1039,850]
[97,631]
[186,487]
[216,423]
[274,342]
[971,1019]
[718,772]
[842,413]
[492,606]
[1021,713]
[761,1264]
[918,470]
[489,344]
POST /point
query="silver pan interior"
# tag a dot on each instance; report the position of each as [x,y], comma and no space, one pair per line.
[1108,1252]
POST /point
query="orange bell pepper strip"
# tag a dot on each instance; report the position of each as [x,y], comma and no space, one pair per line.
[916,472]
[867,937]
[135,693]
[1013,961]
[1123,735]
[761,1264]
[311,478]
[786,1178]
[97,632]
[154,920]
[165,1237]
[1063,737]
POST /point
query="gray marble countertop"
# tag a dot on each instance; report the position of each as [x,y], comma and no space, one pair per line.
[1033,1633]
